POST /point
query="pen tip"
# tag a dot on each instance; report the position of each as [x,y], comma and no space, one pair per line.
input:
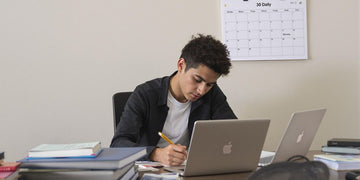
[159,133]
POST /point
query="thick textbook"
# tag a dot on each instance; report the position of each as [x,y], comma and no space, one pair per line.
[339,162]
[108,158]
[343,142]
[73,174]
[88,149]
[340,150]
[9,166]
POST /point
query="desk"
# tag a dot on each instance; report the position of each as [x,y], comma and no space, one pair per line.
[334,175]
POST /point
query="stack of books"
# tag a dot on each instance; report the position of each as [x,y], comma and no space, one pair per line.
[8,170]
[104,163]
[339,162]
[126,173]
[342,146]
[341,154]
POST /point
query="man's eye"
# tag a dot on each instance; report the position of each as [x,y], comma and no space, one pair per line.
[197,80]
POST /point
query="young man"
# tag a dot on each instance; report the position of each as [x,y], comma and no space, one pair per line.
[172,104]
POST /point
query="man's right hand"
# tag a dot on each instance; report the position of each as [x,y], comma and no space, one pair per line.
[173,154]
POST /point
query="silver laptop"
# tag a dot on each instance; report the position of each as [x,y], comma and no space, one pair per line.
[224,146]
[297,138]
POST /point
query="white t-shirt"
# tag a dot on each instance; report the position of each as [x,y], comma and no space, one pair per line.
[176,123]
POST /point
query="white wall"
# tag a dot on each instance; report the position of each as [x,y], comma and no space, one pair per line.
[61,61]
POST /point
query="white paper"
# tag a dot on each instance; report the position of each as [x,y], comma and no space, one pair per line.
[265,30]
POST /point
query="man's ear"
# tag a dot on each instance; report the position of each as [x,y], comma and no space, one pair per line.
[181,65]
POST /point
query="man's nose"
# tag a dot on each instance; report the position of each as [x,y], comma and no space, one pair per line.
[202,89]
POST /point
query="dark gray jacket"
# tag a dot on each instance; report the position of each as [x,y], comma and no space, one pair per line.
[146,110]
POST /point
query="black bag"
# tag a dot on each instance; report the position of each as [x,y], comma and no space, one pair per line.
[352,175]
[291,170]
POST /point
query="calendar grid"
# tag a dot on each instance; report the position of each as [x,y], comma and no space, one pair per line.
[265,34]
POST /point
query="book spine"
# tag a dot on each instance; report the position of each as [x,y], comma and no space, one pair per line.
[7,169]
[341,150]
[343,144]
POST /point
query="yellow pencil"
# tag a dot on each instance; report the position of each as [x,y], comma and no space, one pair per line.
[166,138]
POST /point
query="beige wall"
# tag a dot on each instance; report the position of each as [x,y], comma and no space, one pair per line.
[61,61]
[327,79]
[358,45]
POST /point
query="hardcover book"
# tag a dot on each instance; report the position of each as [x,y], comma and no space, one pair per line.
[344,142]
[9,166]
[65,150]
[108,158]
[75,174]
[340,150]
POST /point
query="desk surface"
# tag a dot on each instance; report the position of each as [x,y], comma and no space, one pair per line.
[334,175]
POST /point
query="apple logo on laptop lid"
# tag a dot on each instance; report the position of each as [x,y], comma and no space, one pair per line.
[227,148]
[299,138]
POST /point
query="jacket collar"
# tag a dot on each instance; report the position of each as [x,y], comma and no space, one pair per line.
[164,90]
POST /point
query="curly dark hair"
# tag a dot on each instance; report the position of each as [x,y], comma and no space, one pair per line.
[206,50]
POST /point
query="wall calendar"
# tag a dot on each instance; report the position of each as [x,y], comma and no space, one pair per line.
[265,30]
